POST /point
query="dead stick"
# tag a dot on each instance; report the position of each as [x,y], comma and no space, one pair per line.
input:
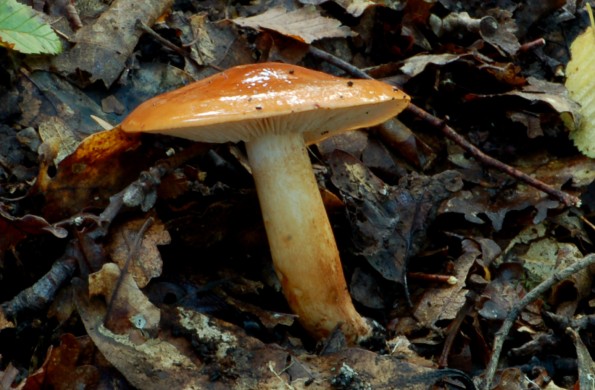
[42,292]
[567,199]
[516,310]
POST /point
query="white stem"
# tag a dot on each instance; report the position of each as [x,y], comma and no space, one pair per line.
[302,244]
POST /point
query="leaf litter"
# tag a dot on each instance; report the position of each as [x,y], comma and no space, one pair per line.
[410,210]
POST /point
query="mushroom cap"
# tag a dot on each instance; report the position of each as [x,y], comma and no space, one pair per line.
[246,101]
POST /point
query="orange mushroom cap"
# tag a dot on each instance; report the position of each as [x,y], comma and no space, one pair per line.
[246,101]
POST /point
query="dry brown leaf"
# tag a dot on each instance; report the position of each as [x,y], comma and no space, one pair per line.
[240,361]
[354,7]
[586,366]
[149,365]
[100,167]
[60,139]
[416,64]
[130,309]
[548,92]
[304,24]
[204,48]
[443,303]
[147,263]
[4,322]
[102,48]
[63,369]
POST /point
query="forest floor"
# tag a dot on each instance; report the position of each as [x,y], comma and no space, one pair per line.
[463,224]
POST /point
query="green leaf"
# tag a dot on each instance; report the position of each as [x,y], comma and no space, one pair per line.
[22,29]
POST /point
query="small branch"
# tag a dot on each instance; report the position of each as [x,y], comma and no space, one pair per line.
[567,199]
[173,47]
[532,45]
[455,326]
[338,62]
[142,191]
[165,42]
[516,310]
[42,292]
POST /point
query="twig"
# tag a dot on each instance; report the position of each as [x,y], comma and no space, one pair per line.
[516,310]
[567,199]
[339,63]
[162,40]
[140,192]
[532,45]
[175,48]
[42,292]
[271,367]
[436,278]
[455,326]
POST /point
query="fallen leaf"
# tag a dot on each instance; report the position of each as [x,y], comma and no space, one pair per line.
[353,7]
[15,229]
[586,366]
[102,165]
[304,24]
[389,222]
[58,137]
[146,263]
[503,38]
[444,302]
[154,364]
[61,368]
[414,65]
[129,308]
[580,84]
[224,357]
[22,29]
[113,35]
[553,94]
[478,202]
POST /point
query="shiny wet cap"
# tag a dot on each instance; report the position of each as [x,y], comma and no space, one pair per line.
[246,101]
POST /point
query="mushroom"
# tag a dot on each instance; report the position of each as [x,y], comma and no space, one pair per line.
[277,109]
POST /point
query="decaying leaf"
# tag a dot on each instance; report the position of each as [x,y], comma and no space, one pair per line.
[444,302]
[59,138]
[146,263]
[586,366]
[129,307]
[541,256]
[15,229]
[153,364]
[203,49]
[100,167]
[354,7]
[502,293]
[414,65]
[473,203]
[63,367]
[304,24]
[580,81]
[552,94]
[389,222]
[113,35]
[212,354]
[495,205]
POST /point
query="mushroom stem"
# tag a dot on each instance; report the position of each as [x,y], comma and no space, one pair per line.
[302,243]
